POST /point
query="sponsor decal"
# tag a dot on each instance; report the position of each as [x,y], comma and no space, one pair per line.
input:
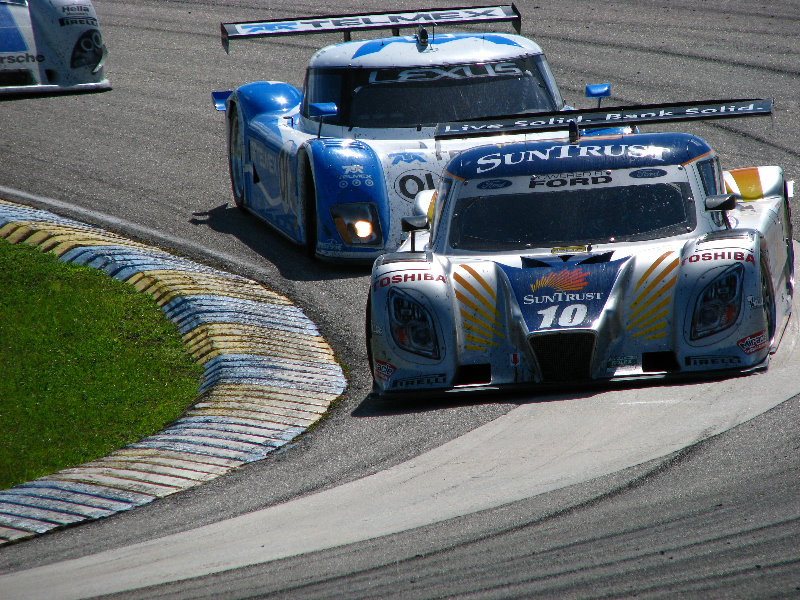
[647,173]
[713,361]
[753,343]
[437,73]
[436,17]
[73,9]
[622,362]
[21,59]
[567,297]
[494,160]
[569,182]
[407,157]
[419,381]
[562,281]
[514,359]
[559,297]
[384,370]
[652,298]
[64,21]
[477,301]
[330,245]
[354,175]
[265,161]
[651,114]
[570,249]
[720,254]
[411,183]
[375,46]
[406,277]
[494,184]
[754,302]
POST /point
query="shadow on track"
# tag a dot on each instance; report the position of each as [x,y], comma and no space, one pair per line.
[290,259]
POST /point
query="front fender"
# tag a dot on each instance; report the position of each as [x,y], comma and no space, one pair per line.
[266,97]
[711,257]
[347,172]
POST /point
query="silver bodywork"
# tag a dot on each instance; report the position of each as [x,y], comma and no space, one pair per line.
[50,46]
[447,314]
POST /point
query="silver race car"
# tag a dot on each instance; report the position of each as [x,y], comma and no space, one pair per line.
[585,258]
[50,46]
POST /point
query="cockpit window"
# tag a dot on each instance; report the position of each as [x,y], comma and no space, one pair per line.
[426,95]
[567,217]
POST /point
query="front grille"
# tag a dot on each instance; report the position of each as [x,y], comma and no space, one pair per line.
[563,356]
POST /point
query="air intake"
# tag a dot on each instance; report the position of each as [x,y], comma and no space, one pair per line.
[563,356]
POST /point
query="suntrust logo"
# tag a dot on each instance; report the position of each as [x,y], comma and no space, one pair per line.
[496,159]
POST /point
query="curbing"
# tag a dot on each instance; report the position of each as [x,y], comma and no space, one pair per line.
[268,375]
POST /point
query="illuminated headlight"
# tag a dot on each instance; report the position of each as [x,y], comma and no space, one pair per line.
[719,303]
[358,224]
[412,325]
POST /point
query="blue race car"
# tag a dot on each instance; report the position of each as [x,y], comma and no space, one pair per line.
[335,166]
[50,46]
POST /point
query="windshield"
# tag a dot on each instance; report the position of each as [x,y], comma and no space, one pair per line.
[559,218]
[368,97]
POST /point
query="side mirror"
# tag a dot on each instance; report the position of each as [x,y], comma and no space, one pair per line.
[414,223]
[422,202]
[320,110]
[599,91]
[721,202]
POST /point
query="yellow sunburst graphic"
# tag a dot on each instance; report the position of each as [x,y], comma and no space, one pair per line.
[568,280]
[478,309]
[654,291]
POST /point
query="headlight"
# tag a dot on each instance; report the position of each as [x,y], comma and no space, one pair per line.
[412,325]
[358,224]
[88,51]
[719,303]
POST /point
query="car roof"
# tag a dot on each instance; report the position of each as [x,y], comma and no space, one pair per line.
[588,153]
[442,49]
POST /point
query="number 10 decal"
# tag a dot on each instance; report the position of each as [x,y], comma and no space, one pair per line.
[571,315]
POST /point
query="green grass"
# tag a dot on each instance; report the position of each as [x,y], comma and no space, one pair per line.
[87,365]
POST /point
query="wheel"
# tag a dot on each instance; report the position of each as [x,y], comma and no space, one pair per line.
[236,158]
[309,205]
[768,301]
[368,339]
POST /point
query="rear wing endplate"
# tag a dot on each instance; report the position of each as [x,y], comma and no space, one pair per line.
[380,20]
[615,116]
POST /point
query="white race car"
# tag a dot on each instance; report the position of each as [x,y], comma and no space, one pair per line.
[50,46]
[586,258]
[334,166]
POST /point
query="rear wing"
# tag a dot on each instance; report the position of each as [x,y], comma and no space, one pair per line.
[379,20]
[614,116]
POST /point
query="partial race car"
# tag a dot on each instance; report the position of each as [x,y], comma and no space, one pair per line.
[335,165]
[50,46]
[579,259]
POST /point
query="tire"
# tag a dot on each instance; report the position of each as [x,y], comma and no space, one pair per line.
[768,302]
[368,340]
[309,207]
[236,158]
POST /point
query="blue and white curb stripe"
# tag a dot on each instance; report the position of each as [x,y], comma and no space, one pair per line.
[268,375]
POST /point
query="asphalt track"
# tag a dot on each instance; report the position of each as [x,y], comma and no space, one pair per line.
[716,514]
